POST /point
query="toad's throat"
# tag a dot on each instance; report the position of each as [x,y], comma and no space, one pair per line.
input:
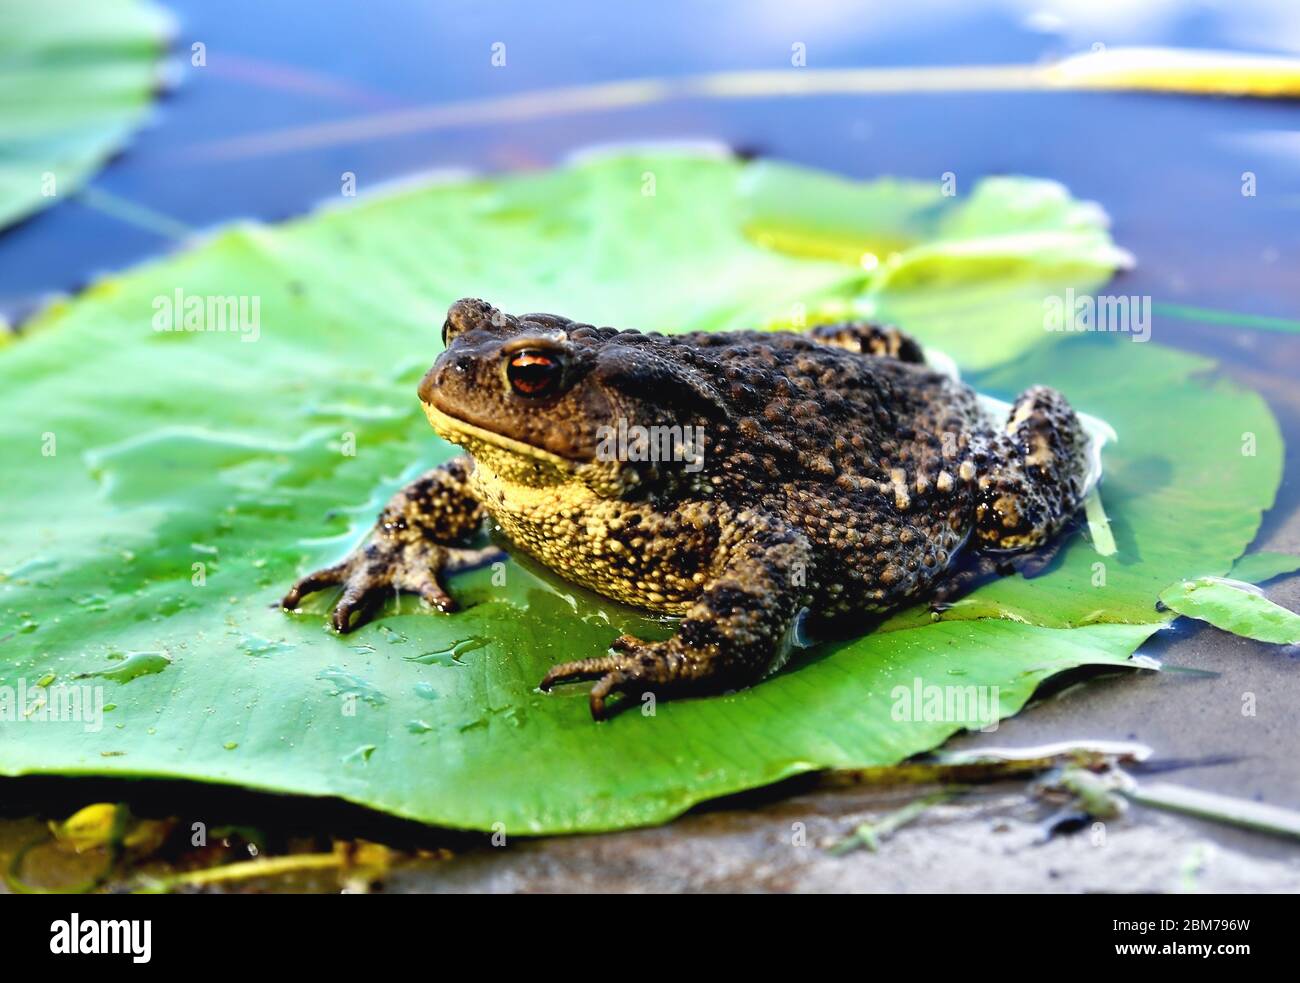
[507,456]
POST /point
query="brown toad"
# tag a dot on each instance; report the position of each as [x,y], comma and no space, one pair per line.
[734,479]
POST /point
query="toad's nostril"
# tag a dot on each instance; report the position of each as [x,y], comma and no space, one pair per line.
[464,364]
[427,385]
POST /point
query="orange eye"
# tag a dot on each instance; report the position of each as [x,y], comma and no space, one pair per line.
[533,373]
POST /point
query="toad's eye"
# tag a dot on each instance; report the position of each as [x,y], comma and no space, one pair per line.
[533,373]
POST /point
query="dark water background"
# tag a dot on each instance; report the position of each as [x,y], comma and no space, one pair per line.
[1168,169]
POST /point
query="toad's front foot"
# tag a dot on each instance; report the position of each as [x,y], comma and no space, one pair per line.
[384,565]
[632,667]
[409,548]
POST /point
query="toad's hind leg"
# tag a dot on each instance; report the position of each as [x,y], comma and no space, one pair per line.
[738,628]
[1034,476]
[865,338]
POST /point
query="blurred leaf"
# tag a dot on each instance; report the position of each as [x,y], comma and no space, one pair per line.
[1181,70]
[76,78]
[1234,607]
[108,825]
[1259,568]
[89,828]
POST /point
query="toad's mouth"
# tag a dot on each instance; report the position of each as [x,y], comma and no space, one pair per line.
[476,439]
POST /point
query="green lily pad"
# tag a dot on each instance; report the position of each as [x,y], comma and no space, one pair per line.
[163,487]
[76,78]
[1259,568]
[994,258]
[1234,607]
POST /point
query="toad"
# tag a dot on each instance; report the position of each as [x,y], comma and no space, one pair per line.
[737,480]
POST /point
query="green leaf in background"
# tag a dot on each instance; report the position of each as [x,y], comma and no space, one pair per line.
[163,487]
[76,77]
[1228,319]
[1234,607]
[1010,245]
[1259,568]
